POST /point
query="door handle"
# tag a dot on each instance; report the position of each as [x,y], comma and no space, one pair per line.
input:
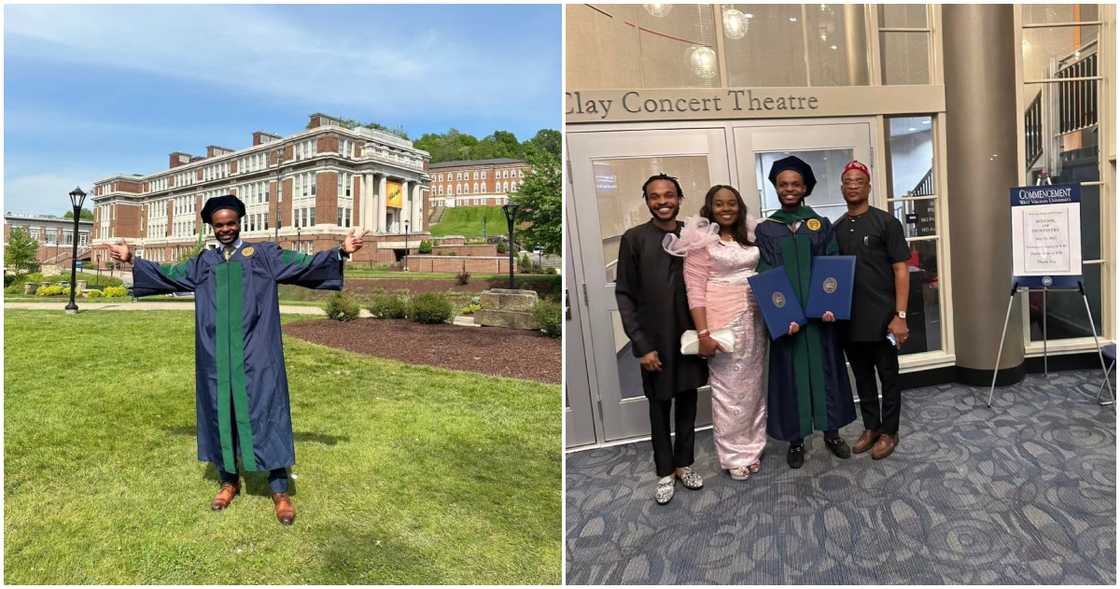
[567,305]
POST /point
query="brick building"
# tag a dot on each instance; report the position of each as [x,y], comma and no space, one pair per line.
[54,234]
[331,178]
[466,183]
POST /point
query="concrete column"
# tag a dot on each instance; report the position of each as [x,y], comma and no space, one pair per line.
[982,162]
[406,204]
[418,207]
[381,197]
[369,205]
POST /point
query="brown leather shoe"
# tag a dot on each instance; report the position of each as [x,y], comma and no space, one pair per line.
[865,441]
[884,447]
[225,496]
[285,511]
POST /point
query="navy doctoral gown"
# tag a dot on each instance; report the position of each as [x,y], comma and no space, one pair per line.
[240,379]
[808,385]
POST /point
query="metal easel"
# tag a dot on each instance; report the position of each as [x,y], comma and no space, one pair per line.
[1047,284]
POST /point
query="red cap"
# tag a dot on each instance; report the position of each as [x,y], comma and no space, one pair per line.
[855,165]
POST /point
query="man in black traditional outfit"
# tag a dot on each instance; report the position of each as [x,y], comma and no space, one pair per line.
[808,386]
[879,298]
[654,309]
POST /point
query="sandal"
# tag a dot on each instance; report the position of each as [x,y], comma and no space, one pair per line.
[757,466]
[740,473]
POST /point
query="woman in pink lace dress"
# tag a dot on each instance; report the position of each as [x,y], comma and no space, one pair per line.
[720,255]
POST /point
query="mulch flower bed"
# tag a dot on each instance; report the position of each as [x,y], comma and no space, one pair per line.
[413,285]
[511,353]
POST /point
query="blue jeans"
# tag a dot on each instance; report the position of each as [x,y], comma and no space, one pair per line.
[277,479]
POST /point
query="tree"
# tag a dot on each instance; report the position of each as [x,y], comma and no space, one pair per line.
[87,215]
[540,202]
[199,244]
[351,123]
[20,255]
[547,140]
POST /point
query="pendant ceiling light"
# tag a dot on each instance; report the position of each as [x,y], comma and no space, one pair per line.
[735,23]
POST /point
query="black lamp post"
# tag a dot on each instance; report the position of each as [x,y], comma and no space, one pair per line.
[299,239]
[77,199]
[406,245]
[511,213]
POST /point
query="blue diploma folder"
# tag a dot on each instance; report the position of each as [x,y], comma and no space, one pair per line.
[777,301]
[830,286]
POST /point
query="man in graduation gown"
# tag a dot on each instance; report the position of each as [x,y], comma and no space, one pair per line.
[654,309]
[808,385]
[880,294]
[241,388]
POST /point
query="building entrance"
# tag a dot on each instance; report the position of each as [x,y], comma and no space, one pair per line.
[608,166]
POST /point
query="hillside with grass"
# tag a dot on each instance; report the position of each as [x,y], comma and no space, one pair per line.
[468,222]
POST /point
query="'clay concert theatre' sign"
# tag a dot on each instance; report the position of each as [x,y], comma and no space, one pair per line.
[594,106]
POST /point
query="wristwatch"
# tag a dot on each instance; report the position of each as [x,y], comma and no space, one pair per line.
[900,314]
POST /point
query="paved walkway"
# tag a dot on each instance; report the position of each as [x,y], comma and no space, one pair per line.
[154,306]
[463,320]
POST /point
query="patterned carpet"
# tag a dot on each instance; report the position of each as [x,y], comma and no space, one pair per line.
[1023,493]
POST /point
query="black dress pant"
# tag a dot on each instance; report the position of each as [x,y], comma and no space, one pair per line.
[867,358]
[667,454]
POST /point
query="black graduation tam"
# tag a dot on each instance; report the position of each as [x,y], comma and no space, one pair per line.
[797,165]
[218,203]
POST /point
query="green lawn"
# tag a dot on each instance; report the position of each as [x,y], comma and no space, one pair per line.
[405,474]
[467,221]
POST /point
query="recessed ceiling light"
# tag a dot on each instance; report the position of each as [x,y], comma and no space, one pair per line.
[793,19]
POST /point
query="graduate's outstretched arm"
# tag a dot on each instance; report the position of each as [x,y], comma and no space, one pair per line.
[150,278]
[320,270]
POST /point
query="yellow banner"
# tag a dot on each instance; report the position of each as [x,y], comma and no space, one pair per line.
[393,190]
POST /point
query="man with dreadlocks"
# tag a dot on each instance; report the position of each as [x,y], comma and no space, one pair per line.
[654,308]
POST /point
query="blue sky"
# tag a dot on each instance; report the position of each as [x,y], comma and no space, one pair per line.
[92,91]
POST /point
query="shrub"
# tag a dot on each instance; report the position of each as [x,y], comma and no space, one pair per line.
[340,306]
[547,313]
[9,279]
[115,291]
[501,247]
[48,291]
[389,306]
[425,247]
[92,293]
[463,277]
[430,307]
[525,264]
[547,286]
[470,309]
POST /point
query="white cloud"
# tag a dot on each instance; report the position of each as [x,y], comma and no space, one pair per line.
[388,69]
[47,193]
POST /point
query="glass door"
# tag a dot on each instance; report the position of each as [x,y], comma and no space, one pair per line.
[825,147]
[579,419]
[607,172]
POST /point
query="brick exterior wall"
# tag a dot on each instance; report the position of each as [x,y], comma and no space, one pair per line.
[127,222]
[286,206]
[488,265]
[327,143]
[465,250]
[326,198]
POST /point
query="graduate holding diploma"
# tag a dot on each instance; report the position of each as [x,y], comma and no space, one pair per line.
[808,386]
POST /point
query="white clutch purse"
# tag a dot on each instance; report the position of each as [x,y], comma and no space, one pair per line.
[690,341]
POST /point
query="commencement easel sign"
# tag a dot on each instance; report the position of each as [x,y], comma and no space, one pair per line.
[1046,230]
[1046,256]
